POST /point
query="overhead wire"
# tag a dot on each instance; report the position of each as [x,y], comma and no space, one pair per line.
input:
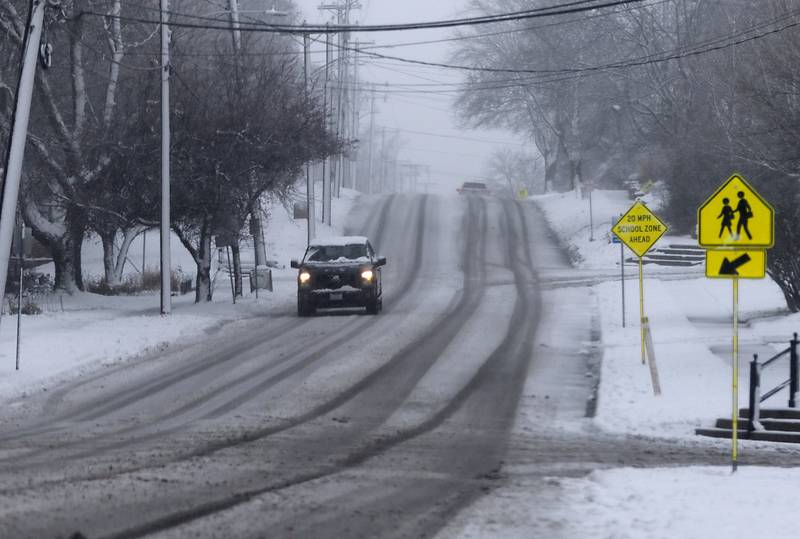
[683,52]
[576,6]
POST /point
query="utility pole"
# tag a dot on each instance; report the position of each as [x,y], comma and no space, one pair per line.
[256,226]
[19,135]
[342,10]
[327,180]
[233,6]
[383,161]
[166,268]
[312,219]
[354,121]
[341,97]
[356,107]
[370,179]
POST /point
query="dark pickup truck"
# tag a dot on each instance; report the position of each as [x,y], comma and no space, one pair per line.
[476,188]
[339,272]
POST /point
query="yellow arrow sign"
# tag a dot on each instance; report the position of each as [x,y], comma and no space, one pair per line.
[736,216]
[742,264]
[639,229]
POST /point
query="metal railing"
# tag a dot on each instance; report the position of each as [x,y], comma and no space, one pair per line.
[756,398]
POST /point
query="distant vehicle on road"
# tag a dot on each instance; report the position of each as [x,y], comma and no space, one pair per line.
[338,272]
[477,188]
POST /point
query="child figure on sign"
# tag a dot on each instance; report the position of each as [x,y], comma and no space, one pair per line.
[727,214]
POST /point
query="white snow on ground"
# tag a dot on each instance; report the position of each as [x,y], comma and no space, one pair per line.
[690,503]
[691,325]
[569,217]
[95,330]
[625,503]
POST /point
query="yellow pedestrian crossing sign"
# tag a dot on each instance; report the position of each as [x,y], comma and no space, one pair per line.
[639,229]
[725,264]
[736,216]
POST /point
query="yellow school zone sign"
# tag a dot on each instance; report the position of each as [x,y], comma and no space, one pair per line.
[736,216]
[724,264]
[639,229]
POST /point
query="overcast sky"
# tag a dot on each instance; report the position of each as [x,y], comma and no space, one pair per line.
[451,157]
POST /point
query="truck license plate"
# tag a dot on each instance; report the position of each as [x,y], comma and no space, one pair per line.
[336,297]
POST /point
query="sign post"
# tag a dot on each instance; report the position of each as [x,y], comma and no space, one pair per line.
[640,229]
[736,226]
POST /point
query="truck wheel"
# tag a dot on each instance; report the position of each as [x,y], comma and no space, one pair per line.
[373,306]
[304,308]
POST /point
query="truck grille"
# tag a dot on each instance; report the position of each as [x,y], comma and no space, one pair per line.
[335,280]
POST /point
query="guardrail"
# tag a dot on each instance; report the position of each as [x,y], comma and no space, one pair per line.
[756,398]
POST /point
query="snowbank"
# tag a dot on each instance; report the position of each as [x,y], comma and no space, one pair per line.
[94,330]
[626,503]
[691,322]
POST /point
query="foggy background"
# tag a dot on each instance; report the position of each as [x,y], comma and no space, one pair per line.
[423,116]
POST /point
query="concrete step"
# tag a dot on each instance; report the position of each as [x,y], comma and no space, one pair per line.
[774,413]
[719,433]
[775,436]
[658,256]
[670,262]
[782,425]
[759,435]
[681,252]
[687,246]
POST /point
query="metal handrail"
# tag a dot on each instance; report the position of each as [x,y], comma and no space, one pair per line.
[776,390]
[756,398]
[775,357]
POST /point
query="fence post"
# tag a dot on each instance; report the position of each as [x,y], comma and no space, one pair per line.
[793,381]
[754,411]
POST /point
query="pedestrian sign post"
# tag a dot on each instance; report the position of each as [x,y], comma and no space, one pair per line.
[736,216]
[639,229]
[736,264]
[736,225]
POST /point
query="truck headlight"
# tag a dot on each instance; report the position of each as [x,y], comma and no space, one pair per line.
[304,277]
[367,275]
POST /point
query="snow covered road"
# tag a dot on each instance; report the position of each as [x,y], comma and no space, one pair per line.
[342,425]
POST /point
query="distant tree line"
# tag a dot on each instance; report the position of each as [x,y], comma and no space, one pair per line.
[242,126]
[684,91]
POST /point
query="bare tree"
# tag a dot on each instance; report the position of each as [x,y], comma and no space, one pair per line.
[233,141]
[515,169]
[74,120]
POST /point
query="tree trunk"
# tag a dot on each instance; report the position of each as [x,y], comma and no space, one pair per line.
[203,291]
[257,234]
[107,237]
[128,235]
[66,257]
[63,237]
[76,233]
[549,175]
[237,269]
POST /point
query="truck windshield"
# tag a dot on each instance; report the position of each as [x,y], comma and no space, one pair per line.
[334,253]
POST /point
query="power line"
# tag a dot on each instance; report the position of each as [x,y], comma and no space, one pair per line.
[516,30]
[577,6]
[684,52]
[439,135]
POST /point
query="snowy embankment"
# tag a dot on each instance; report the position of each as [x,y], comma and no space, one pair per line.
[691,325]
[643,503]
[93,330]
[690,318]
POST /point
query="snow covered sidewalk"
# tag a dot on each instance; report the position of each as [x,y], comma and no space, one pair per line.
[690,319]
[691,325]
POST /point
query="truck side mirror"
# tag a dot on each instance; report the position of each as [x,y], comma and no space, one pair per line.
[381,261]
[295,264]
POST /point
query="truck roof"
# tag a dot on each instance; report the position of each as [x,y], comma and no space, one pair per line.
[338,241]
